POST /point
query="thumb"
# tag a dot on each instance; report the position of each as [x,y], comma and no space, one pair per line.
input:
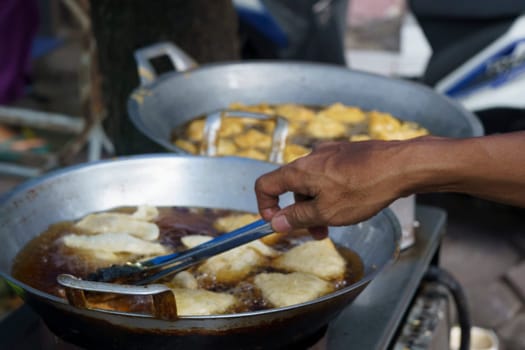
[299,215]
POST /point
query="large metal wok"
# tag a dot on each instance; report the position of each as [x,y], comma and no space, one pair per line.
[170,180]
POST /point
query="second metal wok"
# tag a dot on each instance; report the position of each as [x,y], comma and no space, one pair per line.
[163,103]
[171,180]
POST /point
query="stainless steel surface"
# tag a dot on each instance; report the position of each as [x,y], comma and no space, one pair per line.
[170,180]
[180,60]
[405,210]
[163,297]
[374,317]
[213,123]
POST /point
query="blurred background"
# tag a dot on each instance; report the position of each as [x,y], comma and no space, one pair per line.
[67,69]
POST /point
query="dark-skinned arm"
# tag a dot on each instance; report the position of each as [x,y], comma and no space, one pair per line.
[342,183]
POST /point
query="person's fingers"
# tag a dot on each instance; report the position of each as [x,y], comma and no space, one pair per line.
[270,186]
[323,144]
[299,215]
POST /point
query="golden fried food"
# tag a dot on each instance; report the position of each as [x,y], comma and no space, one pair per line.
[195,130]
[253,154]
[184,279]
[384,126]
[294,112]
[344,114]
[186,145]
[233,265]
[231,126]
[290,289]
[232,222]
[114,243]
[360,137]
[226,147]
[319,258]
[325,128]
[381,124]
[202,302]
[118,222]
[259,108]
[254,138]
[293,151]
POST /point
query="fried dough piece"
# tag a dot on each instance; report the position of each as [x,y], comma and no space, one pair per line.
[226,147]
[195,130]
[253,138]
[112,242]
[319,258]
[252,154]
[186,145]
[344,114]
[294,151]
[202,302]
[382,124]
[231,126]
[146,213]
[232,222]
[118,222]
[259,108]
[325,128]
[360,137]
[233,265]
[290,289]
[184,279]
[259,246]
[191,241]
[294,112]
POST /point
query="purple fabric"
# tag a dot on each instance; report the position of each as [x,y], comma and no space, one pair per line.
[18,27]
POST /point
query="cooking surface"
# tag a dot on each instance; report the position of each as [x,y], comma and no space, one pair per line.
[369,323]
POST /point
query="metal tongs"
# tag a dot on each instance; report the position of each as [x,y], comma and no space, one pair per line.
[179,261]
[212,126]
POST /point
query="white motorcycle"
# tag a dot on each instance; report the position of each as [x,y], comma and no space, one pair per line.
[478,57]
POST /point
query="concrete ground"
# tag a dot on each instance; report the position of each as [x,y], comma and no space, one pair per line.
[485,244]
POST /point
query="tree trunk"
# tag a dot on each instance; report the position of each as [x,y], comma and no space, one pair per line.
[206,30]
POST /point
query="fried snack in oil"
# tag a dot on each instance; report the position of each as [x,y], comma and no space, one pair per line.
[195,130]
[343,114]
[324,128]
[294,112]
[186,145]
[293,151]
[252,137]
[383,126]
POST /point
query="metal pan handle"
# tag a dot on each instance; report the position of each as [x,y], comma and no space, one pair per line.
[180,60]
[163,298]
[213,124]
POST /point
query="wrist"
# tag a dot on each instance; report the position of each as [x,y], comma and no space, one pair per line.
[430,164]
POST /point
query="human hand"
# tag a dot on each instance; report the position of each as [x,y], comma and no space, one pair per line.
[339,183]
